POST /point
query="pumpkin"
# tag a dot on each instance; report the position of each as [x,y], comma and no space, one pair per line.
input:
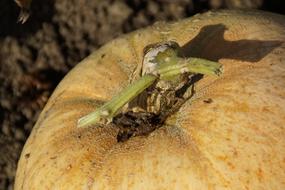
[229,135]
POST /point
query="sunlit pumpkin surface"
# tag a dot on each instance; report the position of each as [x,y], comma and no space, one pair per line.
[230,135]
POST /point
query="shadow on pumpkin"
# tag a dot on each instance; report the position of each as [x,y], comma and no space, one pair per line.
[210,44]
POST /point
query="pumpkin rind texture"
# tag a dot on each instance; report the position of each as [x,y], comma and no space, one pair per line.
[230,135]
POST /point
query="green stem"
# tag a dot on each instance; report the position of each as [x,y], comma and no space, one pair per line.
[204,66]
[109,109]
[191,65]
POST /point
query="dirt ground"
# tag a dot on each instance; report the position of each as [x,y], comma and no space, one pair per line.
[35,56]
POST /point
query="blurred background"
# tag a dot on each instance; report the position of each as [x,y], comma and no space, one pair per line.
[36,55]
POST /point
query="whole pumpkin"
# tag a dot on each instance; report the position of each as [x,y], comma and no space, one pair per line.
[229,135]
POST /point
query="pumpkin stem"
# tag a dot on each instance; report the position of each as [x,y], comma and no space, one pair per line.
[166,69]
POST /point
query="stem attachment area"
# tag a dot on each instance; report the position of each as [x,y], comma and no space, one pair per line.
[169,65]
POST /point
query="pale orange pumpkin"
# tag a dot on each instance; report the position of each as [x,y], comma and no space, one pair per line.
[229,135]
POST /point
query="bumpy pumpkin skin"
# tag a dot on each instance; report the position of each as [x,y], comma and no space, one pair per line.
[231,135]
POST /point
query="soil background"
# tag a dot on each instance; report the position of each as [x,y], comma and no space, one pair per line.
[36,55]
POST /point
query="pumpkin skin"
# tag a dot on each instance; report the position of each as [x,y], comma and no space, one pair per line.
[230,135]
